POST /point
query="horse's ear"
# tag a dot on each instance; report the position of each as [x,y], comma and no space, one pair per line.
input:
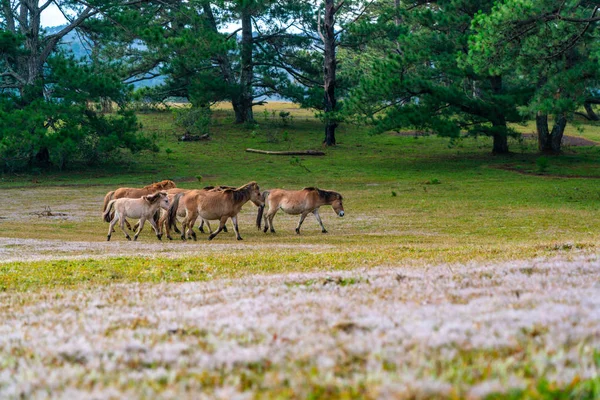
[151,198]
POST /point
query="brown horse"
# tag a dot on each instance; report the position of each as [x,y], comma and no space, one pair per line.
[299,202]
[162,223]
[143,208]
[135,193]
[214,204]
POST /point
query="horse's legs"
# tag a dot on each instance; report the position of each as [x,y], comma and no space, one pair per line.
[184,225]
[304,214]
[129,226]
[221,225]
[270,216]
[208,225]
[235,227]
[191,232]
[122,225]
[162,225]
[137,224]
[175,228]
[318,217]
[201,226]
[111,227]
[137,233]
[153,223]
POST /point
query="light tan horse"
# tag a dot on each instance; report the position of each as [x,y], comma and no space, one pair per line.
[299,202]
[213,205]
[143,208]
[135,193]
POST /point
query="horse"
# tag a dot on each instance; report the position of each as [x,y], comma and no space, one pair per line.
[143,208]
[299,202]
[135,193]
[162,222]
[214,204]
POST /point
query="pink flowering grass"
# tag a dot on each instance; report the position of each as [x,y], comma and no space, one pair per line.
[528,327]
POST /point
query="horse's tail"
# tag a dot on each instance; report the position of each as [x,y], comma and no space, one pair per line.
[107,198]
[261,209]
[172,211]
[106,215]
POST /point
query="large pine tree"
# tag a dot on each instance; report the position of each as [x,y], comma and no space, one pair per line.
[425,82]
[46,117]
[551,43]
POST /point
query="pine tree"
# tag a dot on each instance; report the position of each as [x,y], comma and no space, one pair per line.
[45,117]
[551,43]
[424,82]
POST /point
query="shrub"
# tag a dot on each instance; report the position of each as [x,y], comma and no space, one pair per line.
[195,120]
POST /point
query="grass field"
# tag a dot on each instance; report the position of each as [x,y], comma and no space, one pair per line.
[454,273]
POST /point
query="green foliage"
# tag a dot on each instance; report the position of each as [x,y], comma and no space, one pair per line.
[285,117]
[543,43]
[422,81]
[64,127]
[542,164]
[194,120]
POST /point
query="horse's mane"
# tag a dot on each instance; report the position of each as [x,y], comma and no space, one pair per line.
[327,195]
[155,197]
[166,184]
[238,194]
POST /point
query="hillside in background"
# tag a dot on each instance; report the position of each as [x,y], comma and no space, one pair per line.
[76,44]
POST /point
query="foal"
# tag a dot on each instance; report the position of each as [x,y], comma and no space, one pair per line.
[215,204]
[299,202]
[135,193]
[143,208]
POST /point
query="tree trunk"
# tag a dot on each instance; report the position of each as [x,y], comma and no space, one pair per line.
[499,128]
[590,111]
[549,142]
[247,74]
[500,142]
[558,130]
[541,123]
[329,72]
[226,69]
[330,133]
[238,109]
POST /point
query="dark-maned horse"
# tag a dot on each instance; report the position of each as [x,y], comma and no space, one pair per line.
[136,193]
[298,202]
[162,223]
[215,204]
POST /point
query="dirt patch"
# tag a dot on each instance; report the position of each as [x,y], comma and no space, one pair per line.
[573,141]
[510,168]
[410,133]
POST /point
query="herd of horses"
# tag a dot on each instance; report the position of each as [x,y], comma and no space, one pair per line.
[162,204]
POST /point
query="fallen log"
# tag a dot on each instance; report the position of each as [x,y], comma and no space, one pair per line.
[288,153]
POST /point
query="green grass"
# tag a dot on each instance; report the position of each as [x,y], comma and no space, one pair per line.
[409,200]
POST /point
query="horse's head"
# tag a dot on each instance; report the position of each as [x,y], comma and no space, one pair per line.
[162,198]
[166,184]
[255,195]
[337,204]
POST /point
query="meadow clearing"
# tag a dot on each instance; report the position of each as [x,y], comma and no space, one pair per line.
[454,273]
